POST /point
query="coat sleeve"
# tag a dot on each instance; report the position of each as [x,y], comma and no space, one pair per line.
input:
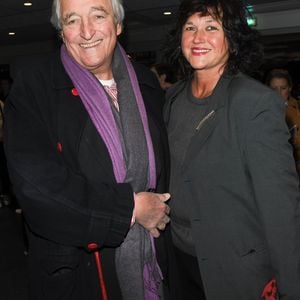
[275,184]
[58,202]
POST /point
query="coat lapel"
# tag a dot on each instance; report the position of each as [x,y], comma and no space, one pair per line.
[92,153]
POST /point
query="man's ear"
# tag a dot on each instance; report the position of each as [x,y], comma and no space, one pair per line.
[61,34]
[119,28]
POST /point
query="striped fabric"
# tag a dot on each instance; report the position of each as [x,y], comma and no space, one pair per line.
[113,93]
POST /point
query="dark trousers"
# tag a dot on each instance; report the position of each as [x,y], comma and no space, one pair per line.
[189,276]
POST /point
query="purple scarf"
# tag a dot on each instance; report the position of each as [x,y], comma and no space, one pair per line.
[98,106]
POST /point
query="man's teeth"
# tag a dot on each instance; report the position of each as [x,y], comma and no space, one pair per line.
[89,45]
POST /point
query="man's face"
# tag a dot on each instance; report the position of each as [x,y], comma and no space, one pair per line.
[89,31]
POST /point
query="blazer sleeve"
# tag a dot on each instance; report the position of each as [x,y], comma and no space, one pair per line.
[275,183]
[58,203]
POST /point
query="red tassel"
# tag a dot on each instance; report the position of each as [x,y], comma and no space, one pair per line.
[94,247]
[270,290]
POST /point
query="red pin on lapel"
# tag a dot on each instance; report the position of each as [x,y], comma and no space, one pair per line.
[74,92]
[59,147]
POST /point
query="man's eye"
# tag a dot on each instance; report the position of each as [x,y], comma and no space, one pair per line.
[72,22]
[98,17]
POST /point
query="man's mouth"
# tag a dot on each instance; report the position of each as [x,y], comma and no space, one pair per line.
[90,45]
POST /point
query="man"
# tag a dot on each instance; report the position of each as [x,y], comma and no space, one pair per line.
[84,145]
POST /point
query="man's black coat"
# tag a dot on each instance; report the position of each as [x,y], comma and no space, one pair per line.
[64,181]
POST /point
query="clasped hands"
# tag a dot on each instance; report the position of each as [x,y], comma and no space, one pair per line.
[151,211]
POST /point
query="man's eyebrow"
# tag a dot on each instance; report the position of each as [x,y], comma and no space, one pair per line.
[68,16]
[94,8]
[99,8]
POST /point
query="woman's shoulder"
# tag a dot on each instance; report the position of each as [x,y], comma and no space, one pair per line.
[246,84]
[176,88]
[293,102]
[246,91]
[248,98]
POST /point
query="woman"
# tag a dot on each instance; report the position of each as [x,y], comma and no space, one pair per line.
[87,154]
[235,197]
[281,81]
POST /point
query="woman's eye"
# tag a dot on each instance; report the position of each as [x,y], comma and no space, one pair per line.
[189,28]
[211,28]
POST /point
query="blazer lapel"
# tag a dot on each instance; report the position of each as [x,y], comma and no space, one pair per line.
[207,125]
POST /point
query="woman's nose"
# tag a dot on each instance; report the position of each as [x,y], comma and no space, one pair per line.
[199,36]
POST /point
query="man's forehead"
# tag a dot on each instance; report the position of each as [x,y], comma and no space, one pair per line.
[73,5]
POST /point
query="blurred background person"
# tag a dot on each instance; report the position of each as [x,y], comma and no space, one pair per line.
[87,154]
[5,186]
[3,201]
[5,86]
[165,73]
[281,81]
[235,202]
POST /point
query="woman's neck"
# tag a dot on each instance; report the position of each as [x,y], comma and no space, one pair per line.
[204,83]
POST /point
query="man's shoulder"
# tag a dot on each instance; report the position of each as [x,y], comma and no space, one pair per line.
[35,63]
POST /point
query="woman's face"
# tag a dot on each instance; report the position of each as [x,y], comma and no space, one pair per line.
[281,85]
[90,33]
[204,44]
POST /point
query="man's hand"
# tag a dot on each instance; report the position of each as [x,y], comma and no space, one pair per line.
[151,211]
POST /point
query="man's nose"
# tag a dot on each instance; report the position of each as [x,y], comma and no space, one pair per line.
[87,30]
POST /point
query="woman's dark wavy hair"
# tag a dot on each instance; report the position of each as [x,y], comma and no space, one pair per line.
[245,53]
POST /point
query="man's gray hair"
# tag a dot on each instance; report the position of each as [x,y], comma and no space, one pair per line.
[117,7]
